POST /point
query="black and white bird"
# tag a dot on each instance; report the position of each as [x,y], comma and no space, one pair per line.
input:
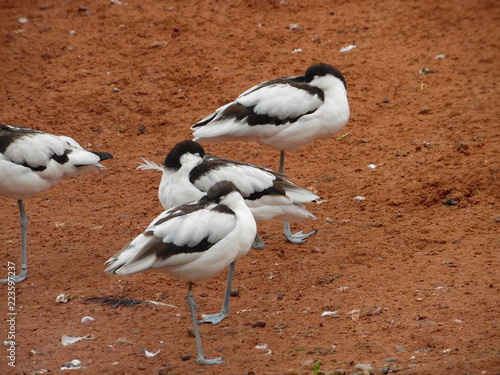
[193,242]
[32,161]
[188,173]
[283,113]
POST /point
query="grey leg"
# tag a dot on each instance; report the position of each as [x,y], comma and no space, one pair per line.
[258,244]
[217,318]
[298,237]
[192,307]
[281,167]
[24,238]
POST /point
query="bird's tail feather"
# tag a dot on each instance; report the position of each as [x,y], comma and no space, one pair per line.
[148,165]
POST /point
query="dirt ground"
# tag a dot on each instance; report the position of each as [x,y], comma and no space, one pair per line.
[411,271]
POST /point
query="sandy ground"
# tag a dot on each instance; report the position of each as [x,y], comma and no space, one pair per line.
[411,271]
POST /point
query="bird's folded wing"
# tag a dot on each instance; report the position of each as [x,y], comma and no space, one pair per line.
[283,101]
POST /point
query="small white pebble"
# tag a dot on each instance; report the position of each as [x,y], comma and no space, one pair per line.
[329,313]
[87,320]
[22,20]
[147,353]
[359,198]
[348,48]
[62,298]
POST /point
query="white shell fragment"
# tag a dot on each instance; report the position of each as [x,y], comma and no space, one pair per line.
[149,354]
[359,198]
[348,48]
[73,365]
[62,298]
[87,320]
[69,340]
[372,166]
[329,313]
[264,347]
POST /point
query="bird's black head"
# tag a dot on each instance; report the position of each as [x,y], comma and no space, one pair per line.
[322,69]
[173,158]
[220,189]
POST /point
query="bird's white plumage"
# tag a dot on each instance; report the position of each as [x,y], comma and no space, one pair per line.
[29,161]
[32,161]
[197,172]
[218,237]
[179,230]
[280,100]
[285,113]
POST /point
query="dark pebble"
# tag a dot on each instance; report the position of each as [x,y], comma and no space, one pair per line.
[186,357]
[259,324]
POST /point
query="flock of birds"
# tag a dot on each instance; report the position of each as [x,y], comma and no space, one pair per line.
[212,205]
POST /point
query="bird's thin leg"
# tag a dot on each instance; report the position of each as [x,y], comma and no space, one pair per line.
[217,318]
[24,238]
[258,244]
[281,167]
[192,307]
[298,237]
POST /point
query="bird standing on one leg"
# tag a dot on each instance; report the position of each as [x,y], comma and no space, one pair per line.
[32,161]
[193,242]
[188,173]
[283,113]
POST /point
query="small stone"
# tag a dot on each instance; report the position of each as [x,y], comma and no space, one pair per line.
[400,347]
[190,332]
[235,292]
[366,369]
[294,27]
[62,298]
[259,324]
[158,44]
[292,371]
[186,357]
[73,364]
[116,89]
[338,372]
[424,111]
